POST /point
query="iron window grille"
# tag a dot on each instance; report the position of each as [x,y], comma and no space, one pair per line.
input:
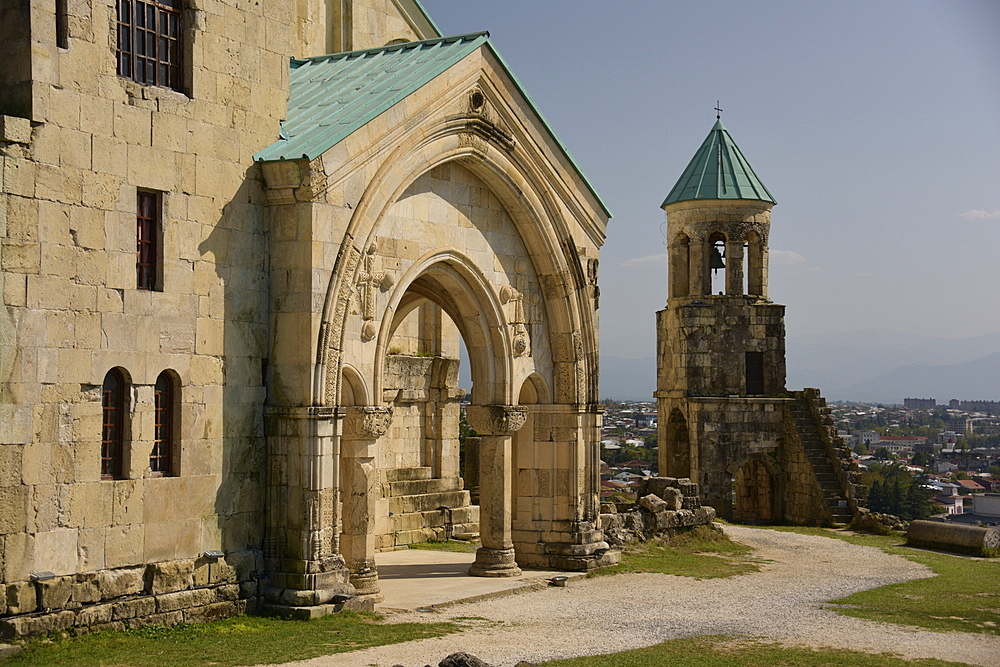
[149,42]
[113,395]
[146,235]
[160,458]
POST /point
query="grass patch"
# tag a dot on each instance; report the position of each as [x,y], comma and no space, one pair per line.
[243,640]
[729,652]
[964,595]
[701,553]
[457,546]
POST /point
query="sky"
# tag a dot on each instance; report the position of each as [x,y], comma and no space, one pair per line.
[875,125]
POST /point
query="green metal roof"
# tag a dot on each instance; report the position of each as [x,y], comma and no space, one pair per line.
[330,97]
[718,171]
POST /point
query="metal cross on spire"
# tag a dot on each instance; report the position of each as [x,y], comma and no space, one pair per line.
[718,111]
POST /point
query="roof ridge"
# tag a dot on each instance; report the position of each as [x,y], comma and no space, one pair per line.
[296,62]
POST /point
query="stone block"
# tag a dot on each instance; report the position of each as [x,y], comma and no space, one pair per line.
[117,583]
[21,597]
[184,599]
[653,503]
[55,593]
[85,590]
[13,508]
[169,576]
[32,626]
[94,615]
[134,608]
[214,612]
[14,129]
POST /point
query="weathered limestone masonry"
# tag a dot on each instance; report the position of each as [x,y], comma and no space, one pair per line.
[725,418]
[234,293]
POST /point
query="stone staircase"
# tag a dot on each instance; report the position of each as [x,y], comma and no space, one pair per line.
[823,466]
[414,499]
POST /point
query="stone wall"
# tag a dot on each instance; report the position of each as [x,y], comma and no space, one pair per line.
[192,590]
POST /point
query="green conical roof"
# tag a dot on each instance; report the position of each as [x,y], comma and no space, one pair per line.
[718,171]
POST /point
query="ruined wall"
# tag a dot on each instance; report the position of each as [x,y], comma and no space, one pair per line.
[71,178]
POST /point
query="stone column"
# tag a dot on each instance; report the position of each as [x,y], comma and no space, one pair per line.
[734,268]
[363,426]
[495,424]
[699,271]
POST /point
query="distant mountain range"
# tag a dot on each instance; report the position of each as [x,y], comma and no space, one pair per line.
[876,366]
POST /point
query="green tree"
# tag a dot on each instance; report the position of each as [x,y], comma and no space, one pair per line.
[893,490]
[922,459]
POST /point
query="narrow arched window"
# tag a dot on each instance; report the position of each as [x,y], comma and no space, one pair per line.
[164,408]
[113,395]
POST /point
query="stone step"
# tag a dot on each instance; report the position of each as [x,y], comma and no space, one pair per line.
[406,474]
[428,501]
[427,534]
[435,518]
[417,487]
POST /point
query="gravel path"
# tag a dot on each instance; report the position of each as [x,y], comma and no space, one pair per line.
[611,614]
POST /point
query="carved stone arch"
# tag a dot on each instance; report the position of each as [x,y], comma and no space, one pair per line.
[543,231]
[453,282]
[353,389]
[533,391]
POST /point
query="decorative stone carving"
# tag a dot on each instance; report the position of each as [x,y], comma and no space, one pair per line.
[369,280]
[481,120]
[496,419]
[367,422]
[519,332]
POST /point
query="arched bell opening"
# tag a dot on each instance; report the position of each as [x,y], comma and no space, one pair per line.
[717,273]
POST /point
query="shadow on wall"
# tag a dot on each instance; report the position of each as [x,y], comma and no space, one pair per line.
[236,342]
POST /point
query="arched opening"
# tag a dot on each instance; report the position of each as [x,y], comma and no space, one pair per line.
[754,490]
[114,424]
[678,446]
[717,263]
[680,266]
[164,458]
[533,393]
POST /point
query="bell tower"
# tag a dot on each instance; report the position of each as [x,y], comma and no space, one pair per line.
[720,340]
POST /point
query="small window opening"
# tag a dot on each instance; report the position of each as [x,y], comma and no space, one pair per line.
[113,397]
[62,24]
[755,373]
[147,235]
[149,42]
[164,409]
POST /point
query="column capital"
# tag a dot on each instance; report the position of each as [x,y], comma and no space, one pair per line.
[496,419]
[367,421]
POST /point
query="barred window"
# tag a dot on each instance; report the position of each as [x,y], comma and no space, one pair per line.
[149,42]
[164,408]
[113,396]
[147,224]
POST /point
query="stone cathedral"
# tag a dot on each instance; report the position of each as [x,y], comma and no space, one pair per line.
[242,244]
[760,453]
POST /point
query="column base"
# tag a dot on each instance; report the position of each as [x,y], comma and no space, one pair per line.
[365,582]
[494,563]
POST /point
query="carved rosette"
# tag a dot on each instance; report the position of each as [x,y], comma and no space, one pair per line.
[494,563]
[367,422]
[496,419]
